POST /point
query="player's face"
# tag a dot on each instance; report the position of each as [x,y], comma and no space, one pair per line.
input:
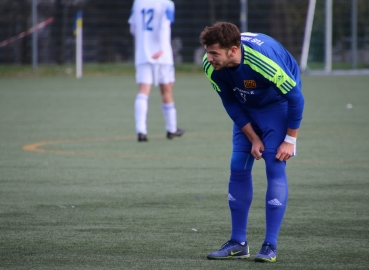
[219,58]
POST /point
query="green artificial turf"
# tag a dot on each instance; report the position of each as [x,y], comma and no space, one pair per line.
[78,192]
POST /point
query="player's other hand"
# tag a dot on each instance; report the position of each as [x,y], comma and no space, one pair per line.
[157,55]
[285,151]
[257,148]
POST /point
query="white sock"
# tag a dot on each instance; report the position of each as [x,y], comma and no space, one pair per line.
[170,117]
[141,107]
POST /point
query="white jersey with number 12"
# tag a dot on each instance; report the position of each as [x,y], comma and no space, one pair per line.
[150,22]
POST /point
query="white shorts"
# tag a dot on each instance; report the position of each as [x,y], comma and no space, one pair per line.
[155,73]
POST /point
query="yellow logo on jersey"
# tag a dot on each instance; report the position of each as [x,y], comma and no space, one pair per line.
[249,83]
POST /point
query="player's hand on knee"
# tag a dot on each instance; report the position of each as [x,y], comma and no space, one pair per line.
[285,151]
[257,148]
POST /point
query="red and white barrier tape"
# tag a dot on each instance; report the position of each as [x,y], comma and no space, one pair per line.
[29,31]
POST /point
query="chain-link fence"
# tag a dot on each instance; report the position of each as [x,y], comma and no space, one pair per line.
[106,35]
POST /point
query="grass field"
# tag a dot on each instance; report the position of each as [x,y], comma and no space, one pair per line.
[78,192]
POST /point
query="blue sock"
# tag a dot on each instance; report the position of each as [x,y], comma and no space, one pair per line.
[276,196]
[240,192]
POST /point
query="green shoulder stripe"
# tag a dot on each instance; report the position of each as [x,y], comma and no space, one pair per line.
[208,68]
[269,69]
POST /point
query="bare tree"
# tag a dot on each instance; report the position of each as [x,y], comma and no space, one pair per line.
[287,24]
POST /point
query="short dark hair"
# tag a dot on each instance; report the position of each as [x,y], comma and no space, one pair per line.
[225,33]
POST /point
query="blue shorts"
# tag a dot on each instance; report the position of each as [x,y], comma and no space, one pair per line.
[269,125]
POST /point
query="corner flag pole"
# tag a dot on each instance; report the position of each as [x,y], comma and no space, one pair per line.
[79,51]
[243,15]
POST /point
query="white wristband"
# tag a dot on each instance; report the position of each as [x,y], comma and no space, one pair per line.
[290,139]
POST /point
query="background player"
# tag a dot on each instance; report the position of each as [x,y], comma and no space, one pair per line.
[259,84]
[150,24]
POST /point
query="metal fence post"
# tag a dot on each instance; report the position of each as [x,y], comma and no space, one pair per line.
[328,35]
[354,33]
[34,35]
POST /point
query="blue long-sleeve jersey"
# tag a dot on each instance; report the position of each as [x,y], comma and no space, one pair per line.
[267,78]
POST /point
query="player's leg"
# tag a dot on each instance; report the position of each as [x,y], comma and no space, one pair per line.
[168,107]
[275,206]
[276,196]
[273,126]
[240,193]
[144,79]
[166,82]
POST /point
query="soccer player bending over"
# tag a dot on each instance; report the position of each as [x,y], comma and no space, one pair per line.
[150,24]
[259,84]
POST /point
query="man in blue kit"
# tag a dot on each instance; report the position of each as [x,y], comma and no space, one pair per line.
[259,84]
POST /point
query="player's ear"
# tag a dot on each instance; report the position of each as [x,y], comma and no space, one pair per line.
[233,50]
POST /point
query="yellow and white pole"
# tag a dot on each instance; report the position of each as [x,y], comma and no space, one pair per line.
[79,50]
